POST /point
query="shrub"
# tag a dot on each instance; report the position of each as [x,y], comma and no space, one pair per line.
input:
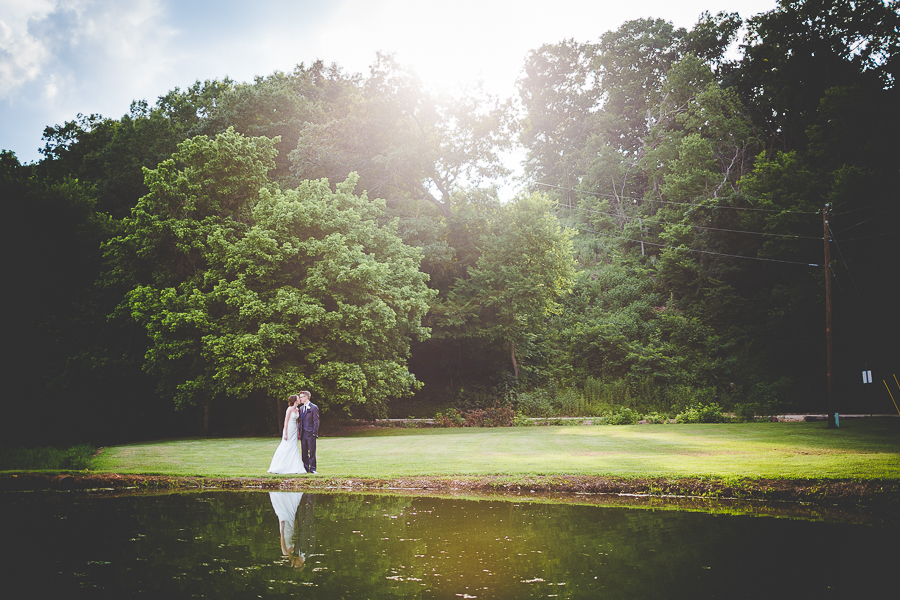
[521,420]
[656,418]
[644,394]
[572,403]
[752,411]
[622,416]
[500,415]
[537,403]
[451,418]
[74,458]
[697,413]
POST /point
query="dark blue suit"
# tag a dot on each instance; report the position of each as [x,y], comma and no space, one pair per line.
[309,432]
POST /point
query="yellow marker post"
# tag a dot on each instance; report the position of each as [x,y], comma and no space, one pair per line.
[892,396]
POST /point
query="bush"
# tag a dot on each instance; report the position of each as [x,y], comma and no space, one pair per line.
[622,416]
[697,413]
[521,420]
[571,403]
[537,403]
[500,415]
[656,418]
[643,394]
[752,411]
[75,458]
[451,418]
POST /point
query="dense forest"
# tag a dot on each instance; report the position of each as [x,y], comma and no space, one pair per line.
[183,268]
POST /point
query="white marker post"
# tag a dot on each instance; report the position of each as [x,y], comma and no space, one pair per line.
[867,378]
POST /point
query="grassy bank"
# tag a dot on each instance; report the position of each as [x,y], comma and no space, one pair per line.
[46,458]
[864,449]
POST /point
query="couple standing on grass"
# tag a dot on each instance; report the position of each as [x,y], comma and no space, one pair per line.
[300,421]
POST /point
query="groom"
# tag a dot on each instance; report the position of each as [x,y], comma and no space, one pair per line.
[309,431]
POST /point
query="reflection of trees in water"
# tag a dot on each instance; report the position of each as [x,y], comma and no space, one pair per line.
[218,543]
[450,544]
[226,545]
[359,543]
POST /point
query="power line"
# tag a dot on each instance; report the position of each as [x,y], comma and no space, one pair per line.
[870,218]
[645,220]
[846,265]
[600,195]
[869,237]
[789,262]
[859,208]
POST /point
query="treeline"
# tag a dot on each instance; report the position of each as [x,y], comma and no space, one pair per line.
[180,270]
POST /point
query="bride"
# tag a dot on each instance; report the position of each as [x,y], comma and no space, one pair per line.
[287,455]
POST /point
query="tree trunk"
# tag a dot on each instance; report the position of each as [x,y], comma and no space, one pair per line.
[206,407]
[512,355]
[276,414]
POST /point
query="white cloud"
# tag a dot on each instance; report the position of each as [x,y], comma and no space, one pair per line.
[77,45]
[21,54]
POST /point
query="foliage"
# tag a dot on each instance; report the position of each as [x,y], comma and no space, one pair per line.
[499,415]
[521,420]
[450,418]
[699,413]
[622,416]
[655,418]
[404,142]
[246,287]
[525,268]
[752,411]
[46,458]
[551,402]
[537,403]
[280,106]
[670,259]
[110,154]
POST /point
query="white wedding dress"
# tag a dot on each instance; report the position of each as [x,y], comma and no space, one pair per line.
[287,455]
[285,505]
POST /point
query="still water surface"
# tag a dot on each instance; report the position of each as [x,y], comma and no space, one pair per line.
[231,545]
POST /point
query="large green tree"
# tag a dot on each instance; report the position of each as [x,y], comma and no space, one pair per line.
[111,153]
[515,287]
[405,143]
[246,288]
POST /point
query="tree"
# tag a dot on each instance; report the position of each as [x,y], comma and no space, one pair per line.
[525,268]
[246,288]
[61,347]
[281,105]
[560,91]
[110,154]
[405,143]
[800,49]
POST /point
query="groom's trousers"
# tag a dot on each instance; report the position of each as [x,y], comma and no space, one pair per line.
[308,451]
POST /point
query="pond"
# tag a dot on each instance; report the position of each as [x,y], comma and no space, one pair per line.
[339,545]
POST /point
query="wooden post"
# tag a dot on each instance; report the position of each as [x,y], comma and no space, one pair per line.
[828,355]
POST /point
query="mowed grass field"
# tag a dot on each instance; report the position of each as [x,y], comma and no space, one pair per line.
[860,449]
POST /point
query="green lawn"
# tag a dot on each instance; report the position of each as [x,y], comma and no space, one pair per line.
[860,449]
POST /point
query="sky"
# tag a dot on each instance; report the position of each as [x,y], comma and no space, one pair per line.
[59,58]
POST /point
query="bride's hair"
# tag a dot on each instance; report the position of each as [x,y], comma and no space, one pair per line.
[293,398]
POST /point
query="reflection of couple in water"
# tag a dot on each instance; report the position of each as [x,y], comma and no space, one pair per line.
[296,525]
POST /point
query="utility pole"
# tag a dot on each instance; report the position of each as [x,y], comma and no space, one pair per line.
[828,359]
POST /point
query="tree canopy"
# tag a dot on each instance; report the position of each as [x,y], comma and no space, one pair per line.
[233,242]
[244,287]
